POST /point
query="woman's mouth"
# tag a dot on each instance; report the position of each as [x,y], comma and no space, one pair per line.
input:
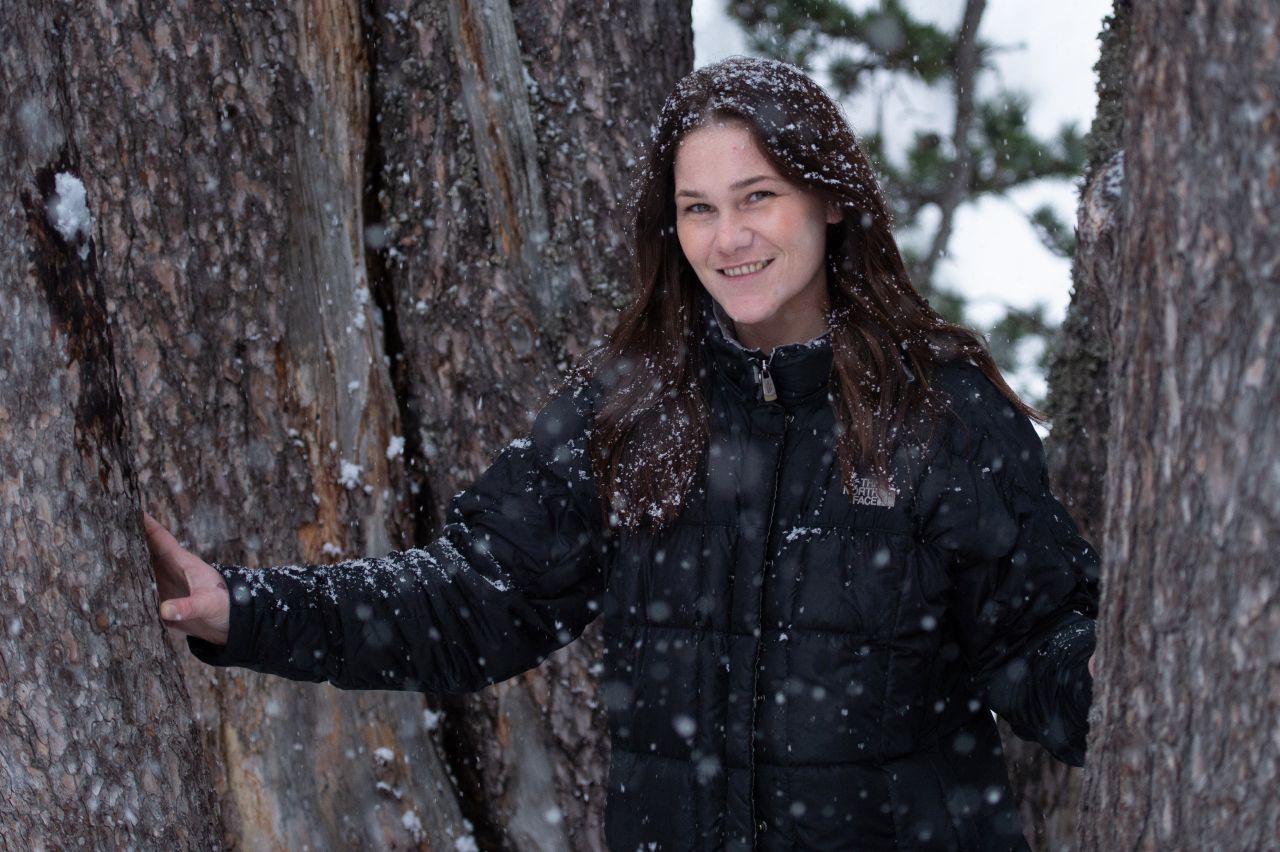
[745,269]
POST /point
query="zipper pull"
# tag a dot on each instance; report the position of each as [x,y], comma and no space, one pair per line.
[766,383]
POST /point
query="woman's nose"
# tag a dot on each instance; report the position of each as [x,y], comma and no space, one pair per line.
[732,234]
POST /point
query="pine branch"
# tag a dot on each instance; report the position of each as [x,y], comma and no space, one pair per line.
[955,192]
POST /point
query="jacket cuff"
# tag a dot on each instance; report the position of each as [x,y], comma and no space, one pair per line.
[238,649]
[1076,642]
[1067,656]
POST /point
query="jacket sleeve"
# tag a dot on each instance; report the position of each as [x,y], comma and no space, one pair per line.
[515,575]
[1025,584]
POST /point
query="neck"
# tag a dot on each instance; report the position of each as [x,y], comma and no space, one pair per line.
[768,338]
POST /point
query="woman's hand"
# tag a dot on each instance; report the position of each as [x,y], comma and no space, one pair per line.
[193,596]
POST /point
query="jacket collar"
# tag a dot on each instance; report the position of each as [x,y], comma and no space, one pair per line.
[799,370]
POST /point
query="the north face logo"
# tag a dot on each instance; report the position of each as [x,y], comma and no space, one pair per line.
[868,492]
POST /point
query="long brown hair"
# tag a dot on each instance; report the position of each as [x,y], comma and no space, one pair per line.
[652,426]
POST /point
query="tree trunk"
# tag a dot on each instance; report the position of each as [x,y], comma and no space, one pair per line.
[99,747]
[505,152]
[1048,790]
[326,231]
[1183,750]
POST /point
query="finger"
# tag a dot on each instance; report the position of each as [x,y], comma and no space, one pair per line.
[160,542]
[149,523]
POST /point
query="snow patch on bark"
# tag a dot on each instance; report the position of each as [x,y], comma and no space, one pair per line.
[68,211]
[349,475]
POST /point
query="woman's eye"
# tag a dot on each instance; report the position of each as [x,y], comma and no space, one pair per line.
[759,194]
[697,208]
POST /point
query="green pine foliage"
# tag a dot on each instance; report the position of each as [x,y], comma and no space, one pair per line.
[851,50]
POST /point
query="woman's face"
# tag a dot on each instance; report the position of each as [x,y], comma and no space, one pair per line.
[756,241]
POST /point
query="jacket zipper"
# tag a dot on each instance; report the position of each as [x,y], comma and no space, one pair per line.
[757,826]
[767,389]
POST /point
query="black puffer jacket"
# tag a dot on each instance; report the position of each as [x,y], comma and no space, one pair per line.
[788,666]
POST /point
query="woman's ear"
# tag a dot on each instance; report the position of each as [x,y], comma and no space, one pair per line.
[834,213]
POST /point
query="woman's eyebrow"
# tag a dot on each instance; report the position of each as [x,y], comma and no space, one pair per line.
[742,184]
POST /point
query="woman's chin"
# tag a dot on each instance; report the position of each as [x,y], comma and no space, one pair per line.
[749,315]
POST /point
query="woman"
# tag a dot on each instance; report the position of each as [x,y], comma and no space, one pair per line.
[814,519]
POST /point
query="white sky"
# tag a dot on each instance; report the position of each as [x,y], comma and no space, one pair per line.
[1047,51]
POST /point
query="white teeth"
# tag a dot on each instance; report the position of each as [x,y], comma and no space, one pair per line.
[734,271]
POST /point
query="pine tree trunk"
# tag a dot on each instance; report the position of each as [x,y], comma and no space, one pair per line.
[505,154]
[1183,750]
[1048,790]
[98,749]
[321,227]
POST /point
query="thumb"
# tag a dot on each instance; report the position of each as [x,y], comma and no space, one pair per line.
[210,604]
[176,609]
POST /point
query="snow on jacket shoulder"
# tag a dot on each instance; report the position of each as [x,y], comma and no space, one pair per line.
[515,575]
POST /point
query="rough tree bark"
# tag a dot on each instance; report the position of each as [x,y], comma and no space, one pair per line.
[506,142]
[322,226]
[1184,748]
[1048,790]
[98,747]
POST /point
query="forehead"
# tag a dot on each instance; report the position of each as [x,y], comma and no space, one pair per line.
[719,149]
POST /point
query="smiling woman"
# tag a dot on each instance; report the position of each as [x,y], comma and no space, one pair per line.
[751,161]
[756,241]
[812,516]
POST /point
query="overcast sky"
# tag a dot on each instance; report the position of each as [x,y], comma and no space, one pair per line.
[1048,51]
